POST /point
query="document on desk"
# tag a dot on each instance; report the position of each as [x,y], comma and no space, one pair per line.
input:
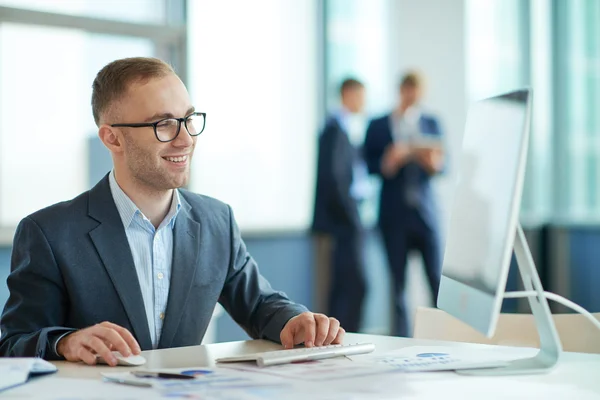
[16,371]
[228,383]
[209,383]
[317,370]
[253,384]
[56,388]
[446,358]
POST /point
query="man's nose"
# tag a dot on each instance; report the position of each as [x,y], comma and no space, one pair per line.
[183,139]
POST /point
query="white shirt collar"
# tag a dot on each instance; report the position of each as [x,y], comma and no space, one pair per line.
[127,208]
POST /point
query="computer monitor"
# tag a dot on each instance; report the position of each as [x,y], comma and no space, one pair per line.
[483,228]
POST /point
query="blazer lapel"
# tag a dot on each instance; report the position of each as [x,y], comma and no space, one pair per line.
[110,241]
[186,249]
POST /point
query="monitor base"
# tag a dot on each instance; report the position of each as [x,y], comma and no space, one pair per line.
[550,346]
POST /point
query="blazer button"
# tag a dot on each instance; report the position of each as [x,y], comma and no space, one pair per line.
[161,315]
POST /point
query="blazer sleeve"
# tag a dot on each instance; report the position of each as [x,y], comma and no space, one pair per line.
[335,167]
[436,129]
[249,298]
[373,148]
[37,302]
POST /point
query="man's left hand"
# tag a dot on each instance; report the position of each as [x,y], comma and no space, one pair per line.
[313,330]
[431,159]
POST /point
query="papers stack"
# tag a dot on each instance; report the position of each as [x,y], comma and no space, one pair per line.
[16,371]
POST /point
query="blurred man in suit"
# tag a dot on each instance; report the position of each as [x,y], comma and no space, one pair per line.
[336,216]
[404,148]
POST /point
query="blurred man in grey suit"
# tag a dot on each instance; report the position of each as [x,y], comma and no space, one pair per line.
[137,263]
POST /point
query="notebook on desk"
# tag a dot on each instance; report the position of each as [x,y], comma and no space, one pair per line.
[16,371]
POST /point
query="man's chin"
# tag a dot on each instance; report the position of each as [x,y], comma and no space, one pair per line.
[180,182]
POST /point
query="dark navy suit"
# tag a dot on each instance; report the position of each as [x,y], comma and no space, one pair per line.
[408,218]
[336,213]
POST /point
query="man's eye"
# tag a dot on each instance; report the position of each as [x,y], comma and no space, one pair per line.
[166,123]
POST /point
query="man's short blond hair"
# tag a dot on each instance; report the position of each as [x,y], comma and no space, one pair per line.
[412,79]
[114,79]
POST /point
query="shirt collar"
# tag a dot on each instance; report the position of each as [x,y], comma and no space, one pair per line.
[127,208]
[342,116]
[173,211]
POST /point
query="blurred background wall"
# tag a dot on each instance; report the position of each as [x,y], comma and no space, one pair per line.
[267,72]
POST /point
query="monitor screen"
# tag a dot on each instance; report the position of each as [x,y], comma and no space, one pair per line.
[483,216]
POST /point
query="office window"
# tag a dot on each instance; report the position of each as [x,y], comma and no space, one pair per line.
[553,47]
[495,57]
[578,101]
[537,204]
[47,66]
[254,72]
[509,47]
[45,113]
[148,11]
[357,44]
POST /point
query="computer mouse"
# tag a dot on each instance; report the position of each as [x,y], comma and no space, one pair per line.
[131,361]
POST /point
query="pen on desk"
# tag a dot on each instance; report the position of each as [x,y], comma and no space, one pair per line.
[164,375]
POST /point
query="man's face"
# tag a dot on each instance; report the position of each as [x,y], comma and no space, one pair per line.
[410,94]
[156,165]
[355,99]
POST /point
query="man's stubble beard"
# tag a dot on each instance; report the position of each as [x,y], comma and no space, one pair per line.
[145,171]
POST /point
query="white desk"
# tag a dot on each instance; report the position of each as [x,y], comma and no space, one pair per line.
[576,377]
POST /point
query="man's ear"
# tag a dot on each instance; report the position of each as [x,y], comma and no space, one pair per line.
[111,138]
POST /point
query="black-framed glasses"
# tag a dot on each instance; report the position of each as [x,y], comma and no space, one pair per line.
[167,129]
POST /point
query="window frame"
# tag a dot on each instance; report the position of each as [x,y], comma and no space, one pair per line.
[169,39]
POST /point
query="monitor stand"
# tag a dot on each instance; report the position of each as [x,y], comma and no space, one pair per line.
[550,346]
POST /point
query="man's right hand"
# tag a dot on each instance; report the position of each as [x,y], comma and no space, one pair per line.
[394,157]
[100,339]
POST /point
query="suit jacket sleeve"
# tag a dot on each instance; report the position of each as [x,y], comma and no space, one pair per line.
[248,297]
[373,148]
[335,166]
[37,303]
[436,130]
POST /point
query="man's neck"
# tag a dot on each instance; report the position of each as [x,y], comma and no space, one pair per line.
[344,109]
[153,204]
[402,107]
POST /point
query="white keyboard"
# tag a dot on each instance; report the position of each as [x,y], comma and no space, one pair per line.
[268,358]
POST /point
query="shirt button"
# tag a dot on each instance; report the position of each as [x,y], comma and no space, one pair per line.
[160,275]
[161,315]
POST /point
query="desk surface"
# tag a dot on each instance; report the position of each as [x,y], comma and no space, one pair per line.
[577,374]
[195,356]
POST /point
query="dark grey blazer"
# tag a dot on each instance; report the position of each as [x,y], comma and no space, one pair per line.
[72,268]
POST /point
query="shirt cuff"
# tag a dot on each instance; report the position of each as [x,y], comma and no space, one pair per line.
[58,340]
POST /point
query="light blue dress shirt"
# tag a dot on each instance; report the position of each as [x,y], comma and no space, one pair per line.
[361,187]
[152,251]
[405,128]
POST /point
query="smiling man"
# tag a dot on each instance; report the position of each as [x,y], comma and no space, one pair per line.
[137,263]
